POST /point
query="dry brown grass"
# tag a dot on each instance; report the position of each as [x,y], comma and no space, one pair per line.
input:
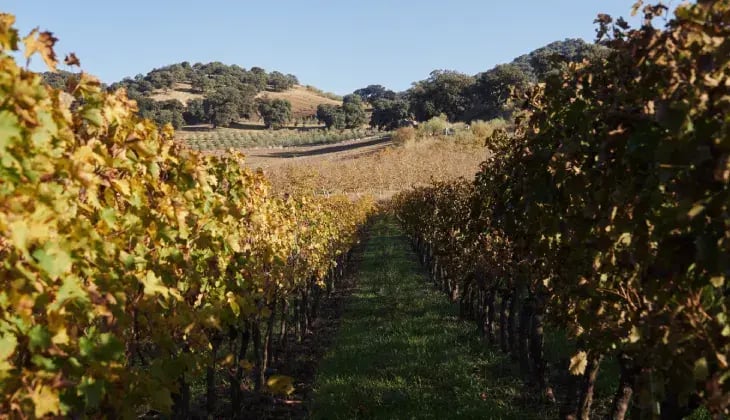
[404,134]
[383,172]
[180,91]
[303,101]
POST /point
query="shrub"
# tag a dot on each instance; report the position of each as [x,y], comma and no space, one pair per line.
[484,129]
[404,135]
[434,126]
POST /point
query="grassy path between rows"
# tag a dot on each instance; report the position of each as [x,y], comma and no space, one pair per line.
[402,353]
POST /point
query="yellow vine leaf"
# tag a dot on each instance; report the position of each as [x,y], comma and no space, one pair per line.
[41,43]
[7,348]
[8,34]
[634,335]
[53,260]
[45,400]
[153,285]
[578,363]
[61,337]
[280,385]
[9,129]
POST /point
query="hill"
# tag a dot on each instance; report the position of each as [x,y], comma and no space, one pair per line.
[304,101]
[221,95]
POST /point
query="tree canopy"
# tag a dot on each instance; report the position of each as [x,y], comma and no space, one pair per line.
[350,114]
[373,93]
[388,113]
[331,116]
[485,96]
[444,92]
[275,113]
[229,91]
[491,90]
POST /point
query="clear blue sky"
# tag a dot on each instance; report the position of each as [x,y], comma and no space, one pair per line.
[336,45]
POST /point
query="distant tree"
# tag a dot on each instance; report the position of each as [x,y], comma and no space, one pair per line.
[331,115]
[143,86]
[195,112]
[373,93]
[161,79]
[161,112]
[293,80]
[387,113]
[353,111]
[215,68]
[389,94]
[444,92]
[275,113]
[59,79]
[222,114]
[226,105]
[551,59]
[201,83]
[247,100]
[256,77]
[352,98]
[172,104]
[177,72]
[175,109]
[165,116]
[492,90]
[279,82]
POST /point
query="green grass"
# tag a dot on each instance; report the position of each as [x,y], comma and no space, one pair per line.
[402,352]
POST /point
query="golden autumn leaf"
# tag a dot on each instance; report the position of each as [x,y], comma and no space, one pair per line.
[107,217]
[41,43]
[8,34]
[8,344]
[280,385]
[153,285]
[45,400]
[634,335]
[578,363]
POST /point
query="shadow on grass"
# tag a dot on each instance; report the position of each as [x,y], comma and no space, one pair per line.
[402,352]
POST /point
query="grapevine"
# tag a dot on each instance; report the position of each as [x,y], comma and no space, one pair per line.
[604,213]
[127,258]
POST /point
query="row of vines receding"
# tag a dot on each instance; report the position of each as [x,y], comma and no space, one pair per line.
[128,261]
[605,214]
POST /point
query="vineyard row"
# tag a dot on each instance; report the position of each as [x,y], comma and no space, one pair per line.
[126,259]
[603,213]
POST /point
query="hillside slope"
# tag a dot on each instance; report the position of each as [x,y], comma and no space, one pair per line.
[304,101]
[182,92]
